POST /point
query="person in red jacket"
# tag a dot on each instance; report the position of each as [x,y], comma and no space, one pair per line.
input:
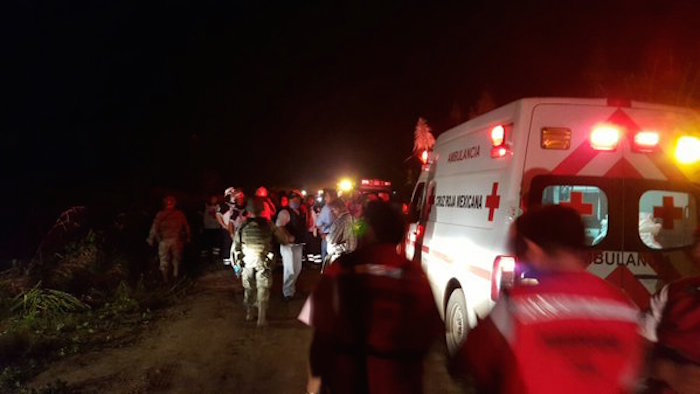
[373,314]
[673,325]
[565,331]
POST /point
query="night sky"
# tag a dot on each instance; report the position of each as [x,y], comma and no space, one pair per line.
[122,97]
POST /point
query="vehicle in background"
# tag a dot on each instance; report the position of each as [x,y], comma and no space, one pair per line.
[379,187]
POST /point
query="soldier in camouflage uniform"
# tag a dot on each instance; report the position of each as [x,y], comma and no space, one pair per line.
[252,247]
[171,230]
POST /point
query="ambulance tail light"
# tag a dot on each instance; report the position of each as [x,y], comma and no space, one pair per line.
[646,141]
[502,276]
[688,150]
[605,137]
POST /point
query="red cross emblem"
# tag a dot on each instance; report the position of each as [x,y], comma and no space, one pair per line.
[493,201]
[668,212]
[576,202]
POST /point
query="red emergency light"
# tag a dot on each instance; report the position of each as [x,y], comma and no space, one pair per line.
[605,137]
[498,141]
[424,157]
[498,135]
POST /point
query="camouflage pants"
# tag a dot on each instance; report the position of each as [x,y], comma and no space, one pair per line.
[256,284]
[170,255]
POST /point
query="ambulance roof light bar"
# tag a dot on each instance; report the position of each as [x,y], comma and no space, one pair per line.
[688,150]
[646,141]
[605,137]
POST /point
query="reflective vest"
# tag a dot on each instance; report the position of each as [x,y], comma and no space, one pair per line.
[376,312]
[570,333]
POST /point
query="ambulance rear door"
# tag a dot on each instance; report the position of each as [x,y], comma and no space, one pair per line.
[638,208]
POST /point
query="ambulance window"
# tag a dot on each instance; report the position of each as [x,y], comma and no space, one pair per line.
[667,219]
[417,203]
[590,201]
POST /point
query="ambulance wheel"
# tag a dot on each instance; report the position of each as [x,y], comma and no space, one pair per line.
[456,321]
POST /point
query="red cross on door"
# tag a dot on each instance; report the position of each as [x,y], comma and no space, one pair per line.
[668,212]
[493,201]
[577,203]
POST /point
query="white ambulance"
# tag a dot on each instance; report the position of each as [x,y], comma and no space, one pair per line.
[629,168]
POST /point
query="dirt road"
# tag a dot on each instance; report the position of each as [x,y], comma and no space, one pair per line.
[204,345]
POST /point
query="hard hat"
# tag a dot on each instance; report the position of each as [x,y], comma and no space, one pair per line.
[237,193]
[295,193]
[261,192]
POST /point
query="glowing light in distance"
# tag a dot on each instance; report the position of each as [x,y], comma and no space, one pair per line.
[498,135]
[605,137]
[688,150]
[320,191]
[303,193]
[345,185]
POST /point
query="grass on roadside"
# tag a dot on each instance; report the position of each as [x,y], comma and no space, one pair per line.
[40,325]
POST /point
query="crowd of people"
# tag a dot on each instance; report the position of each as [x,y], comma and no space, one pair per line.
[250,233]
[374,318]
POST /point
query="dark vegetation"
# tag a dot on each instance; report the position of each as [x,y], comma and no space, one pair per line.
[93,282]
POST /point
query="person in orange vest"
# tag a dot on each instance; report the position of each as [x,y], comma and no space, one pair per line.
[562,330]
[373,314]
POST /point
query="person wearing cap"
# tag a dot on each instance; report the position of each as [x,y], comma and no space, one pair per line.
[231,216]
[171,230]
[269,210]
[292,219]
[562,329]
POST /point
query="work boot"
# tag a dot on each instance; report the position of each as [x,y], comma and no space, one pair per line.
[249,314]
[262,311]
